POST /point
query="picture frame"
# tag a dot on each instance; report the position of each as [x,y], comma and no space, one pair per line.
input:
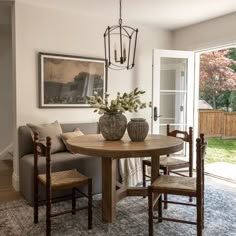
[65,81]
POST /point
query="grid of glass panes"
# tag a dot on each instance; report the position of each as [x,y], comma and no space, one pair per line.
[173,94]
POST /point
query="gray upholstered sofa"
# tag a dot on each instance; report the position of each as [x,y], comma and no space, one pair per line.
[89,166]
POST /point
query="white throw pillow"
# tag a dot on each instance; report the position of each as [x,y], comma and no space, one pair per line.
[68,135]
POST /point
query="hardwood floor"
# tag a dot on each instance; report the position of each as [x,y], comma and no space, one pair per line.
[7,193]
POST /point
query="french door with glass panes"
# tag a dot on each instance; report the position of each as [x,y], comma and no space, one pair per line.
[173,90]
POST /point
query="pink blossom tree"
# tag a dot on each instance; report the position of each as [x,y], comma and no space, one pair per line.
[216,75]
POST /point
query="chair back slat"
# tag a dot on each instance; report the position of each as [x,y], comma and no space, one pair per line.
[186,137]
[48,168]
[191,148]
[42,148]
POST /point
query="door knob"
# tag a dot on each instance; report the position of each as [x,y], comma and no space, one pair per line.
[155,114]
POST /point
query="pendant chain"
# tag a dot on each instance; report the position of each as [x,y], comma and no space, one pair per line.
[120,20]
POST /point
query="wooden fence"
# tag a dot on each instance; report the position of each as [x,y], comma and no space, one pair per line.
[217,123]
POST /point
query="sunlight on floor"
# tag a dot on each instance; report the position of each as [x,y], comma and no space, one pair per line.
[222,169]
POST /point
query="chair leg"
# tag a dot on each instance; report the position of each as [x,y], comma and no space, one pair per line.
[90,199]
[48,216]
[150,211]
[36,210]
[203,197]
[199,216]
[203,211]
[36,203]
[190,175]
[144,175]
[73,201]
[160,207]
[166,172]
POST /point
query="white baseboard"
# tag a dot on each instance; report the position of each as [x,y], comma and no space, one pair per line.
[5,151]
[15,182]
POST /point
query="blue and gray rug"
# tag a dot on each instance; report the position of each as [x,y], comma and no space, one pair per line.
[16,218]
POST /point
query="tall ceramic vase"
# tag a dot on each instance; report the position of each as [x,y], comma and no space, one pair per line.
[112,125]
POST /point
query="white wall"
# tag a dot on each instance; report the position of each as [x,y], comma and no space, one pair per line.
[149,39]
[6,92]
[213,33]
[54,31]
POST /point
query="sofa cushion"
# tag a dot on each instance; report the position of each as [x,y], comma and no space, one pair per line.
[52,130]
[86,128]
[26,141]
[68,135]
[59,161]
[89,166]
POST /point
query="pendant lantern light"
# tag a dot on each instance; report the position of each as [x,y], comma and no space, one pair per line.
[120,45]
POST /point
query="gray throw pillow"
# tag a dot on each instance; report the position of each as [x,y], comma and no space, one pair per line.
[52,130]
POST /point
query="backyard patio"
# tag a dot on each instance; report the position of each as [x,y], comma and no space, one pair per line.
[221,159]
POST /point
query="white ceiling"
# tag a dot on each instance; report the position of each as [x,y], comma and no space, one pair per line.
[169,14]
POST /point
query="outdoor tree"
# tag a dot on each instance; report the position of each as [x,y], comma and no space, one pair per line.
[223,100]
[233,100]
[232,55]
[216,74]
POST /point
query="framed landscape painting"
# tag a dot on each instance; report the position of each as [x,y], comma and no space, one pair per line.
[65,81]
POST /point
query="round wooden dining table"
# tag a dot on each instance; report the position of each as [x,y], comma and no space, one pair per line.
[110,151]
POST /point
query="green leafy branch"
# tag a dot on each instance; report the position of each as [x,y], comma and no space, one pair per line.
[126,102]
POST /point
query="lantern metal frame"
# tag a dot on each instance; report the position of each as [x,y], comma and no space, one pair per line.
[125,61]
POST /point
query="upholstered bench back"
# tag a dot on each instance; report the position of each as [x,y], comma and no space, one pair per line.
[26,142]
[89,166]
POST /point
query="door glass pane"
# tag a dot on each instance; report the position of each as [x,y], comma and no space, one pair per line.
[167,121]
[173,74]
[173,107]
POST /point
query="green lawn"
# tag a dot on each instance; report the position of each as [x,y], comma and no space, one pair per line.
[219,150]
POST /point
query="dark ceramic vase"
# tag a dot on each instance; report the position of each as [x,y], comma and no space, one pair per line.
[112,125]
[137,129]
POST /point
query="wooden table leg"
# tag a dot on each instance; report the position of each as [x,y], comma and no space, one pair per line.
[155,168]
[108,190]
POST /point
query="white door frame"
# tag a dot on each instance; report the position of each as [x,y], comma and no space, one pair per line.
[197,79]
[157,54]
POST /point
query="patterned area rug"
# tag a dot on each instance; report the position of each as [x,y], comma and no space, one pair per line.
[16,218]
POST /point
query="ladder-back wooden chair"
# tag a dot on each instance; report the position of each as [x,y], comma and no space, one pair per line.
[179,185]
[170,164]
[53,181]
